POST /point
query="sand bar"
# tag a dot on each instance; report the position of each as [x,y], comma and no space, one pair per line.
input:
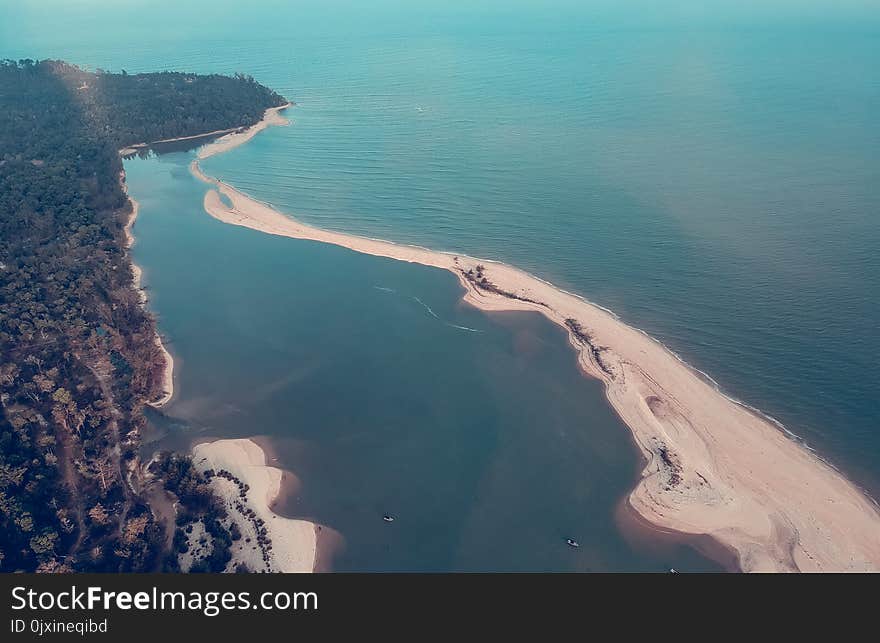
[136,147]
[271,116]
[712,465]
[294,542]
[229,138]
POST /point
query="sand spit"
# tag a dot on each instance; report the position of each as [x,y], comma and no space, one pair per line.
[229,138]
[137,147]
[292,543]
[713,466]
[239,137]
[168,368]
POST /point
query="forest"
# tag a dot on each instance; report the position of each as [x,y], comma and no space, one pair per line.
[78,361]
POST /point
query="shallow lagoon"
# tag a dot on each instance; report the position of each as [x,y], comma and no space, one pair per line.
[384,393]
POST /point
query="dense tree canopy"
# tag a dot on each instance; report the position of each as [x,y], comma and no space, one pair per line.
[77,356]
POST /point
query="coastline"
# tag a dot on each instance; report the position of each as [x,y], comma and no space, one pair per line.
[292,544]
[229,138]
[713,466]
[133,149]
[241,136]
[168,360]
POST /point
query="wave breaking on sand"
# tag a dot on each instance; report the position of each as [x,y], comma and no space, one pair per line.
[713,466]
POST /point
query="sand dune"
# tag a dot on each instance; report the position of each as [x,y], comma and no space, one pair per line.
[294,542]
[713,466]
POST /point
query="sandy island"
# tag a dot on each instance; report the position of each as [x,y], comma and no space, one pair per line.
[293,544]
[713,466]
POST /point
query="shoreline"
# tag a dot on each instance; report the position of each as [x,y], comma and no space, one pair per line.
[137,272]
[645,536]
[133,149]
[713,466]
[231,140]
[292,544]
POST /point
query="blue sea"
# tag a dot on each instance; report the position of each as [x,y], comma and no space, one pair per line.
[709,171]
[384,394]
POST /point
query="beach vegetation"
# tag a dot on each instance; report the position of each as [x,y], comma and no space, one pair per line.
[78,357]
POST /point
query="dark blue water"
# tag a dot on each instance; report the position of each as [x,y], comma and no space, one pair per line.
[720,190]
[383,393]
[709,172]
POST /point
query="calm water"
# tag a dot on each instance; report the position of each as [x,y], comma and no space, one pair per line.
[385,394]
[711,175]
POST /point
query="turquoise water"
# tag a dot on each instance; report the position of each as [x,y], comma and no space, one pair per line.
[709,172]
[383,393]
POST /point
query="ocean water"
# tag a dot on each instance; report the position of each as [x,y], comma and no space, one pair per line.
[384,393]
[710,172]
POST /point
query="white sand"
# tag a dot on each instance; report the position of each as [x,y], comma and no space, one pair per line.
[294,542]
[714,467]
[226,143]
[136,147]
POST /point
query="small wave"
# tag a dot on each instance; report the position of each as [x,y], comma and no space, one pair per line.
[428,308]
[466,328]
[431,312]
[450,324]
[700,373]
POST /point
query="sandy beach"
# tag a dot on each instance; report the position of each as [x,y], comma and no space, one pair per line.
[293,542]
[168,368]
[133,149]
[229,138]
[271,116]
[713,466]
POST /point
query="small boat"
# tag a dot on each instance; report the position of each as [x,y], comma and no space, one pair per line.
[672,570]
[388,518]
[572,543]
